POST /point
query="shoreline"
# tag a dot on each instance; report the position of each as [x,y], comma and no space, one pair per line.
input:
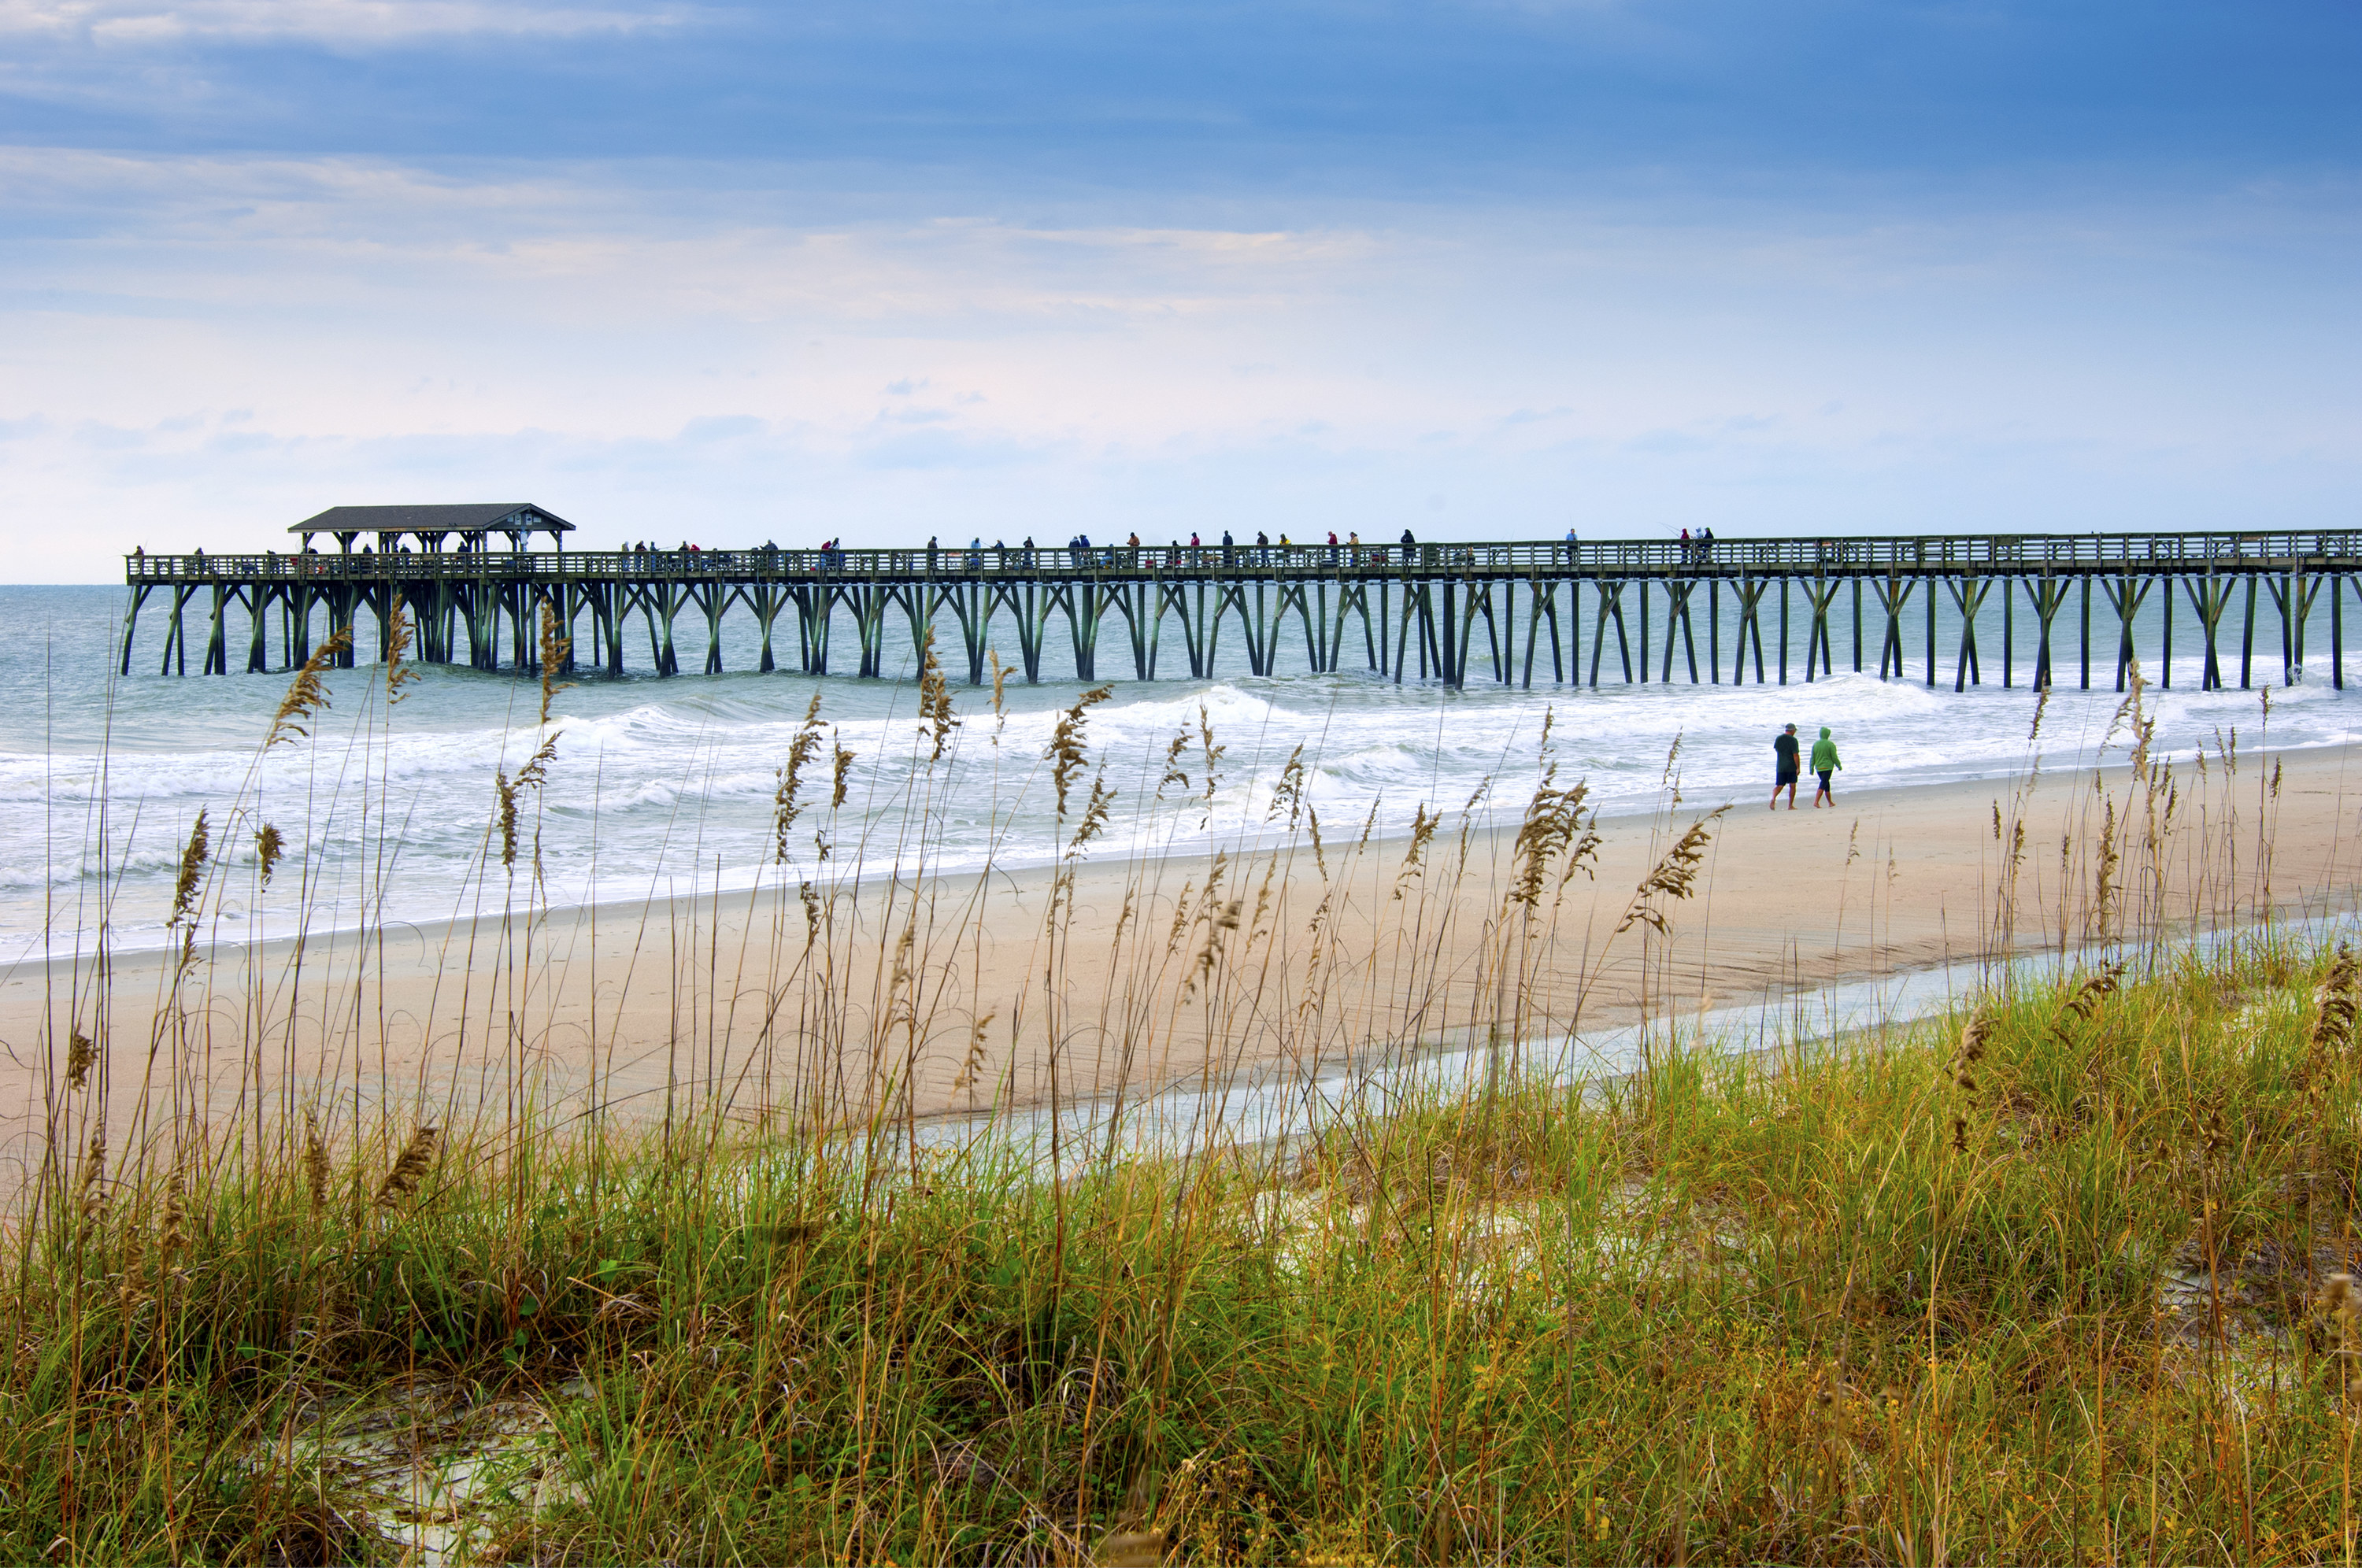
[122,955]
[954,996]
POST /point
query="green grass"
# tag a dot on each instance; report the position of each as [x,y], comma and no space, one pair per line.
[1828,1305]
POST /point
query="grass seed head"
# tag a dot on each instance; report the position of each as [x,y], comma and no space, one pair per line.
[972,1066]
[269,849]
[80,1052]
[1207,750]
[1095,814]
[2333,1005]
[191,880]
[1553,819]
[1423,825]
[1974,1035]
[1174,773]
[308,693]
[2088,996]
[936,718]
[400,633]
[1674,876]
[91,1188]
[2104,885]
[786,804]
[504,814]
[1067,755]
[172,1234]
[840,770]
[999,703]
[315,1163]
[554,652]
[1288,795]
[409,1169]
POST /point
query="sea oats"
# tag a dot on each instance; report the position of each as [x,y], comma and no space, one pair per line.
[1067,755]
[269,847]
[1288,795]
[935,717]
[400,633]
[308,693]
[409,1169]
[190,879]
[1674,876]
[315,1164]
[786,804]
[840,773]
[2087,996]
[1422,828]
[554,652]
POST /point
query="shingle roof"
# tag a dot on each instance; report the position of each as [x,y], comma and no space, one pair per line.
[516,514]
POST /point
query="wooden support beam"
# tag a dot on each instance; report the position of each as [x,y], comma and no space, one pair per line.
[1611,603]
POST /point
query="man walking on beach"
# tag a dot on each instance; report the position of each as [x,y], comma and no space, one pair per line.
[1824,762]
[1783,754]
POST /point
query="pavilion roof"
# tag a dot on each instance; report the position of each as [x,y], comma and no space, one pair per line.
[501,516]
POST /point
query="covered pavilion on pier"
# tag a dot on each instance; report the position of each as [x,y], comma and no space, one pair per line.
[474,523]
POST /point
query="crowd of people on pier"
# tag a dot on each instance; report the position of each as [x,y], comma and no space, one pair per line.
[1081,553]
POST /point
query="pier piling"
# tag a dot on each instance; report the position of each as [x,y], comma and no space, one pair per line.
[1417,607]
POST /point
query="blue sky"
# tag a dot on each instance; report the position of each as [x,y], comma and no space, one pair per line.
[883,270]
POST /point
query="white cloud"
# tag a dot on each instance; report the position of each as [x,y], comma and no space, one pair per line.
[216,346]
[335,22]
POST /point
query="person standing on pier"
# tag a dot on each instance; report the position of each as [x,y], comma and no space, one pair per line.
[1227,548]
[1824,762]
[1784,761]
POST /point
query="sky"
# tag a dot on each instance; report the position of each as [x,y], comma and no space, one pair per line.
[1484,268]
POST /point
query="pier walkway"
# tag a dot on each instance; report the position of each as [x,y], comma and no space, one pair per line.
[1766,610]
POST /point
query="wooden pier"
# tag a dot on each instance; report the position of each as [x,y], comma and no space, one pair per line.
[2030,607]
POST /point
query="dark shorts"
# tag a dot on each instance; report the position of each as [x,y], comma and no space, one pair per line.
[1785,776]
[1825,779]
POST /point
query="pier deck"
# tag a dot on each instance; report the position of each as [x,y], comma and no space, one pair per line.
[1404,612]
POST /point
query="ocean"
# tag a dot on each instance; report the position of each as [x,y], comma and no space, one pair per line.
[663,786]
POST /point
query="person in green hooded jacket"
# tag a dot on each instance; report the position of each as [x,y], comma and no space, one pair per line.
[1824,762]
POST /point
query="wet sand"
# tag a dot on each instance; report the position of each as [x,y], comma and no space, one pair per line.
[1014,987]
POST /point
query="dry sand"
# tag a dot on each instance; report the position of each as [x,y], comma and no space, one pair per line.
[952,999]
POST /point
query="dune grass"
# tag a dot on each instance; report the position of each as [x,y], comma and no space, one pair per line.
[2023,1285]
[2060,1276]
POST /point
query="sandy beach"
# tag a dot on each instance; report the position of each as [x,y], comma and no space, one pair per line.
[1118,976]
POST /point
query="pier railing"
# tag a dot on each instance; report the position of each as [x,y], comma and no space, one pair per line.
[1398,608]
[1785,556]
